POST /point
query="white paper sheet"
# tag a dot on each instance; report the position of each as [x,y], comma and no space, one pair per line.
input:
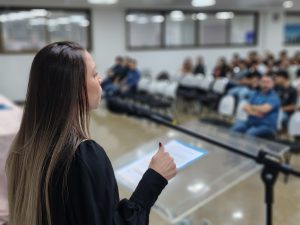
[182,153]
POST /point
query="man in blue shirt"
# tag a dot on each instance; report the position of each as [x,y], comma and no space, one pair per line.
[262,108]
[128,85]
[114,73]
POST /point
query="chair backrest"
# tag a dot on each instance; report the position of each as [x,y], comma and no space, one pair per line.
[294,124]
[205,83]
[220,85]
[241,115]
[143,84]
[153,87]
[226,105]
[190,81]
[171,90]
[279,120]
[161,86]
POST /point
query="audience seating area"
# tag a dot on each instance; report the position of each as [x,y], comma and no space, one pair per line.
[196,92]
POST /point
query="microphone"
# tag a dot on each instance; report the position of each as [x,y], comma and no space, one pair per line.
[120,106]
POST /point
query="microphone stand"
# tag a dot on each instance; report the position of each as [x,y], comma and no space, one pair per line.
[271,163]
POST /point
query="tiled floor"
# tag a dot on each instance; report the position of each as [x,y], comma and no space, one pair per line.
[241,205]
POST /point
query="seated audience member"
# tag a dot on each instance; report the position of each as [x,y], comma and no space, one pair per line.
[240,70]
[163,76]
[199,68]
[258,66]
[235,61]
[129,84]
[298,98]
[252,57]
[269,57]
[221,69]
[296,82]
[244,88]
[262,108]
[293,69]
[283,56]
[187,67]
[286,93]
[118,67]
[270,67]
[284,65]
[126,62]
[133,76]
[114,72]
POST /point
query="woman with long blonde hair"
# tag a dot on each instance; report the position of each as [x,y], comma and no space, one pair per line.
[56,174]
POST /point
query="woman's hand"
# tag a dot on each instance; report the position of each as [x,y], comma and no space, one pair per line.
[163,163]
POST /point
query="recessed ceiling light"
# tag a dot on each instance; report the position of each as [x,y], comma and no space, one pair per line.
[288,4]
[224,15]
[203,3]
[104,2]
[177,15]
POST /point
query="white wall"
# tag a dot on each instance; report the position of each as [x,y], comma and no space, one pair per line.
[14,73]
[109,41]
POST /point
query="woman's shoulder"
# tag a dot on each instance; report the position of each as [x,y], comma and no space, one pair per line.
[89,145]
[90,154]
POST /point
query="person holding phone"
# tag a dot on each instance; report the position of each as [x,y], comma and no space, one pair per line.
[57,175]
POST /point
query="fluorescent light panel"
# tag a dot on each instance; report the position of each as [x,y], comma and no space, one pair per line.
[201,16]
[288,4]
[103,2]
[224,15]
[203,3]
[157,19]
[177,15]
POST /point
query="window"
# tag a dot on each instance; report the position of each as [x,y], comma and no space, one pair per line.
[213,31]
[23,30]
[242,29]
[27,30]
[292,28]
[227,28]
[144,29]
[179,28]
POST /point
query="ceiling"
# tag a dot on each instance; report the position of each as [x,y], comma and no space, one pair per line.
[154,4]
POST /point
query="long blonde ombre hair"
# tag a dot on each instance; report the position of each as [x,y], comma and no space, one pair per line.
[54,122]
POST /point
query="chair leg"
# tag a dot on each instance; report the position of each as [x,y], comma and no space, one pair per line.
[287,160]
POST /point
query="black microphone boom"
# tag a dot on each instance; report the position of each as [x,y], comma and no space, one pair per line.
[121,106]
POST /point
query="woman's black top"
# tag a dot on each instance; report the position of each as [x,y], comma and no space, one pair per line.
[91,197]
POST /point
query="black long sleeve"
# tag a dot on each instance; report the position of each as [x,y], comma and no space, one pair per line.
[91,194]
